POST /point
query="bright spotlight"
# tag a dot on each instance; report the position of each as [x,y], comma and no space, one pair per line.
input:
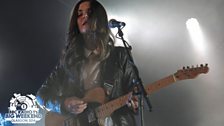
[196,34]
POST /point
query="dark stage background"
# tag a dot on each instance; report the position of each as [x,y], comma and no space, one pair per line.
[33,33]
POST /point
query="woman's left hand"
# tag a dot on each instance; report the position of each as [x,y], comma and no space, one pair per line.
[133,103]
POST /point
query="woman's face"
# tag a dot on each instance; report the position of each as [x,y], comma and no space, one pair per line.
[83,16]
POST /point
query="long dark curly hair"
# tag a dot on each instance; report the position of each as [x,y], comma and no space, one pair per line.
[73,54]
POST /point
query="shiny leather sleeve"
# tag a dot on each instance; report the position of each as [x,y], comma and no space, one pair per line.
[129,69]
[124,76]
[50,94]
[125,72]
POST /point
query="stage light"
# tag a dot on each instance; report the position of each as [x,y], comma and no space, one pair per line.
[196,34]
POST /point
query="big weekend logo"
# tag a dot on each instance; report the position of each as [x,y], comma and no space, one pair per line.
[23,110]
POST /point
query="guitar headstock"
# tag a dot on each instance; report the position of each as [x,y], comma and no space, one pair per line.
[190,73]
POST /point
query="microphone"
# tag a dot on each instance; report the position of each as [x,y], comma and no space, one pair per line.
[114,23]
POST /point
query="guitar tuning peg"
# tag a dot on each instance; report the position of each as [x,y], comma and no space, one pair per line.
[206,65]
[192,66]
[183,68]
[197,66]
[201,65]
[188,67]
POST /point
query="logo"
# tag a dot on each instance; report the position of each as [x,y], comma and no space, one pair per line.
[23,110]
[1,120]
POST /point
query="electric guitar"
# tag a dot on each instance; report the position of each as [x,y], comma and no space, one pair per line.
[98,109]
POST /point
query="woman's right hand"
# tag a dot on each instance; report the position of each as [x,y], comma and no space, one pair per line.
[75,105]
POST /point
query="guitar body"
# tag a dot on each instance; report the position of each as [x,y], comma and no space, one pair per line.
[94,97]
[87,118]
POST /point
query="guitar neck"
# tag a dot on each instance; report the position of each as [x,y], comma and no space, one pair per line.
[108,108]
[150,88]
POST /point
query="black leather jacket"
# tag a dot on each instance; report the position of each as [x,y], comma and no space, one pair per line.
[117,75]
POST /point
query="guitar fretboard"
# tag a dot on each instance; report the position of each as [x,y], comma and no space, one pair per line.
[108,108]
[160,84]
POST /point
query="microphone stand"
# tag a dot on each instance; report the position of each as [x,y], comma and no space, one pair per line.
[142,95]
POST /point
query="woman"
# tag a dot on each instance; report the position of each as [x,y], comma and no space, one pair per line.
[89,61]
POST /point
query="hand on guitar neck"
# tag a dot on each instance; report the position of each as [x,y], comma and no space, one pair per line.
[133,103]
